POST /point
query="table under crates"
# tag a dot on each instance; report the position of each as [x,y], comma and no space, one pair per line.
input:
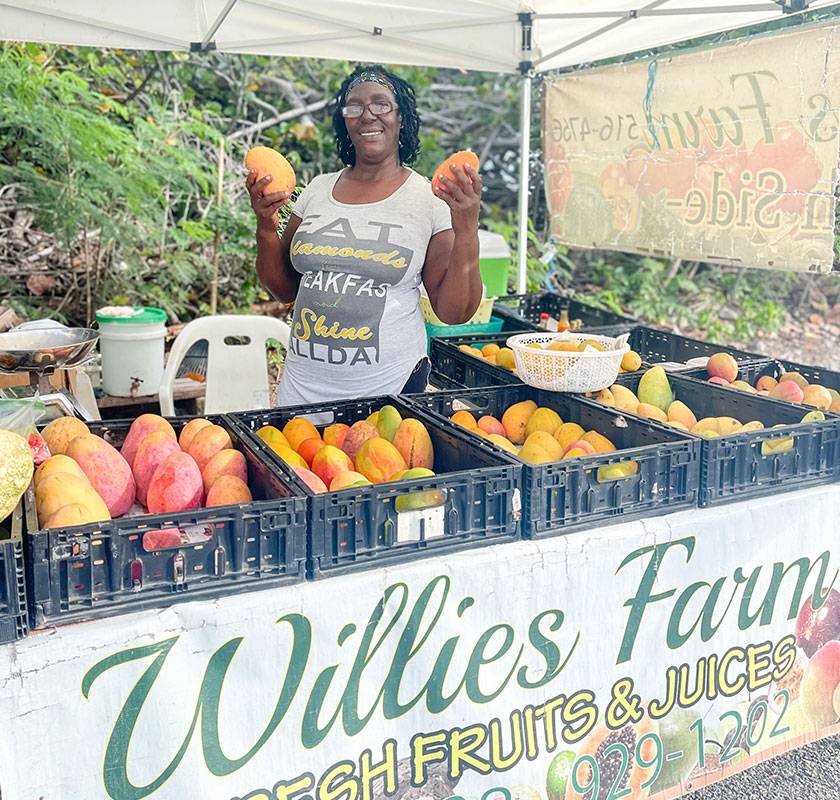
[480,631]
[262,694]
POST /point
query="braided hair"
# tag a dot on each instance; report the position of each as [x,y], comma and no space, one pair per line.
[409,145]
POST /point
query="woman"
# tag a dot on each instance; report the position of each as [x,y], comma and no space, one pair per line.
[357,246]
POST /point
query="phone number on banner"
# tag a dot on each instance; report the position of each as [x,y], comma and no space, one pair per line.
[613,127]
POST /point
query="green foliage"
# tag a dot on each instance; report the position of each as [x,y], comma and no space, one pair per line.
[116,154]
[725,304]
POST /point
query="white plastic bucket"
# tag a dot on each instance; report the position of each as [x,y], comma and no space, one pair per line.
[131,340]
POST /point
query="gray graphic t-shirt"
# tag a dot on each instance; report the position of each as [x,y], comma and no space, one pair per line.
[358,329]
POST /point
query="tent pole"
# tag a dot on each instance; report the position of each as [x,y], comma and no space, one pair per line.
[524,173]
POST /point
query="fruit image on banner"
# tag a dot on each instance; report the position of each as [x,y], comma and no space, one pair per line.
[725,155]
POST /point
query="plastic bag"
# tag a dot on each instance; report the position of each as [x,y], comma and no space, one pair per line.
[21,417]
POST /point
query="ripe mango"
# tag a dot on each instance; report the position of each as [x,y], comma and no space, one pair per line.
[310,479]
[766,383]
[335,434]
[329,462]
[706,424]
[490,424]
[680,412]
[651,412]
[606,397]
[798,379]
[817,396]
[56,465]
[505,358]
[207,442]
[54,492]
[264,161]
[788,390]
[631,361]
[749,427]
[600,442]
[175,486]
[358,434]
[722,365]
[742,386]
[578,449]
[308,448]
[60,432]
[567,433]
[139,430]
[515,419]
[153,450]
[615,472]
[225,462]
[378,460]
[74,514]
[272,436]
[288,455]
[543,419]
[108,472]
[728,425]
[465,419]
[388,419]
[503,442]
[228,490]
[348,480]
[541,448]
[297,429]
[625,400]
[189,431]
[414,444]
[654,389]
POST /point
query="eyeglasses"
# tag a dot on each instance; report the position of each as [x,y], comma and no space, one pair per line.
[377,108]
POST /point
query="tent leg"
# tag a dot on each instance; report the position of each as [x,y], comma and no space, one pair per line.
[524,173]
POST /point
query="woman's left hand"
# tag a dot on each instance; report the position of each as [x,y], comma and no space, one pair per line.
[463,196]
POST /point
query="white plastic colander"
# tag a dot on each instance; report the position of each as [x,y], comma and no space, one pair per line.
[566,371]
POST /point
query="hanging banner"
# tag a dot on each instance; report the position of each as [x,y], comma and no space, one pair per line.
[637,660]
[727,155]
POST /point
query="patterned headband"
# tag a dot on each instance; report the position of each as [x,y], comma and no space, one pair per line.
[370,77]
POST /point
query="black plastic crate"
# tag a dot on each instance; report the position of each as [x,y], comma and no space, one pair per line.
[528,307]
[461,369]
[13,617]
[568,495]
[741,465]
[480,490]
[103,569]
[657,346]
[440,381]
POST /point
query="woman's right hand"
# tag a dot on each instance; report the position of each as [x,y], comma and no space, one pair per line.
[265,206]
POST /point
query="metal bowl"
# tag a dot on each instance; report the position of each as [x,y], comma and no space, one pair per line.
[45,350]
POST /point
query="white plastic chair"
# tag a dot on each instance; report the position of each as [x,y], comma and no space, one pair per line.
[237,374]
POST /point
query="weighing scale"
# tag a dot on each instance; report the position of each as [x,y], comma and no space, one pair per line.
[40,351]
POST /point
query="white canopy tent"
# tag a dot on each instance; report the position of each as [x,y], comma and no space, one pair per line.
[493,35]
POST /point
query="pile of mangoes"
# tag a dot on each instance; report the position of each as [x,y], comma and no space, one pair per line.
[791,386]
[86,479]
[382,448]
[654,399]
[539,435]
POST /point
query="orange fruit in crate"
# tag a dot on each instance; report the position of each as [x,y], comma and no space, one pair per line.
[490,350]
[297,430]
[308,448]
[465,420]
